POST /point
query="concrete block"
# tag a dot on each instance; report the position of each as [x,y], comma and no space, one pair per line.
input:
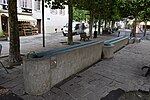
[40,74]
[113,46]
[132,40]
[108,51]
[36,75]
[120,43]
[137,40]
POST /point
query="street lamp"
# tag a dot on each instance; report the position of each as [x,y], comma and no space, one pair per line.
[43,31]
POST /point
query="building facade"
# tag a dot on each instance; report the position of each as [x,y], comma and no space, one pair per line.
[30,17]
[54,18]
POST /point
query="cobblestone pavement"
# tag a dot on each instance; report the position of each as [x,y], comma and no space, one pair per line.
[52,41]
[123,71]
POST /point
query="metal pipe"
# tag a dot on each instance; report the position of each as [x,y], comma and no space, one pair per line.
[4,67]
[43,30]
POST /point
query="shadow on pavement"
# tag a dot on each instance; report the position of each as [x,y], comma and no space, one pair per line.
[6,94]
[120,94]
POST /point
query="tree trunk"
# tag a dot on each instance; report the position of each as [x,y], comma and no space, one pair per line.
[105,25]
[112,24]
[95,26]
[14,49]
[70,11]
[134,27]
[99,26]
[103,21]
[145,28]
[91,24]
[109,24]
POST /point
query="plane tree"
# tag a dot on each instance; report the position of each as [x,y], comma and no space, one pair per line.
[105,10]
[131,8]
[88,6]
[14,44]
[79,15]
[60,4]
[145,15]
[81,4]
[91,7]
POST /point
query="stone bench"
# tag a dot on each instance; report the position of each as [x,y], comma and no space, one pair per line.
[108,51]
[134,40]
[44,70]
[83,36]
[113,45]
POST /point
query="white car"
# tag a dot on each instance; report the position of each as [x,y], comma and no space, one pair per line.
[87,30]
[74,30]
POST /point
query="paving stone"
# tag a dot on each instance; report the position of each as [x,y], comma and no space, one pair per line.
[88,73]
[99,90]
[92,96]
[19,90]
[82,99]
[63,98]
[76,79]
[13,83]
[49,96]
[29,97]
[78,93]
[84,84]
[54,96]
[3,71]
[12,75]
[67,87]
[114,84]
[123,71]
[61,94]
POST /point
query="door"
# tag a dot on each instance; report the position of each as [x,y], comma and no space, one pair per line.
[39,25]
[5,25]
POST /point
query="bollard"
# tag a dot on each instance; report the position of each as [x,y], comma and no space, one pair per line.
[95,34]
[118,33]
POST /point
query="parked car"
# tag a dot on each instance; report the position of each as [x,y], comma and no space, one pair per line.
[75,28]
[93,29]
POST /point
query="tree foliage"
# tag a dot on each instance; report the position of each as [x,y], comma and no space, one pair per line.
[108,10]
[59,4]
[79,15]
[132,7]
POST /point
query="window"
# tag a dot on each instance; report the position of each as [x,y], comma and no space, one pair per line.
[26,3]
[29,4]
[5,2]
[53,11]
[62,11]
[37,4]
[1,1]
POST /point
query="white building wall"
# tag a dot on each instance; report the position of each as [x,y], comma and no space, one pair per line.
[52,21]
[37,14]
